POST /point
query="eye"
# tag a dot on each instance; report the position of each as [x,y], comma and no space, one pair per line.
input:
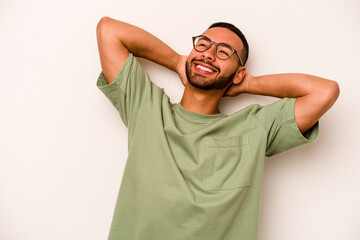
[225,53]
[201,44]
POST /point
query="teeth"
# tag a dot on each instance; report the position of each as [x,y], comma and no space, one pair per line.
[204,68]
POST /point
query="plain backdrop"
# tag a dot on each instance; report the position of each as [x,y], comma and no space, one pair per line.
[63,146]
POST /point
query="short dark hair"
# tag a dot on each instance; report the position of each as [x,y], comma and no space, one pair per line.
[245,52]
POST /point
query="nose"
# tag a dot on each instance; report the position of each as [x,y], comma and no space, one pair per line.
[209,54]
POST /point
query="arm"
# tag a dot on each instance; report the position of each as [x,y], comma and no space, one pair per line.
[116,39]
[314,95]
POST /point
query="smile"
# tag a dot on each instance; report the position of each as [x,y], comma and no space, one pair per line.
[203,69]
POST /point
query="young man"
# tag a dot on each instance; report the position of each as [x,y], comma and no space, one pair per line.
[193,172]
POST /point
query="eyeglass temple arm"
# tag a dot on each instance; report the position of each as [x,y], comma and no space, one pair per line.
[240,59]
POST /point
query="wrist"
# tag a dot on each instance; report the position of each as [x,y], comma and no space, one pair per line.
[248,83]
[177,63]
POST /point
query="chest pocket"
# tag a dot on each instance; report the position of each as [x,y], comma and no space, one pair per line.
[227,162]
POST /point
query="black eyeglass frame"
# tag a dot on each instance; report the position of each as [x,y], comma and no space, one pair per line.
[216,44]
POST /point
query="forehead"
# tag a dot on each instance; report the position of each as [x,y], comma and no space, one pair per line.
[221,34]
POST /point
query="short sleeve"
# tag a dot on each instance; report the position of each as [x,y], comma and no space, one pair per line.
[282,130]
[130,89]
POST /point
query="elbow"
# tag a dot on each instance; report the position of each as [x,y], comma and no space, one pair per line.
[334,90]
[104,21]
[109,28]
[105,27]
[330,93]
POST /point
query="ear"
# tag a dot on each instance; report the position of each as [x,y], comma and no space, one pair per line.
[240,74]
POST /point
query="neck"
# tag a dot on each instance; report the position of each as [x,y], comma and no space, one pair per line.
[201,101]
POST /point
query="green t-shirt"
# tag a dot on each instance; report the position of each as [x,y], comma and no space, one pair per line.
[190,175]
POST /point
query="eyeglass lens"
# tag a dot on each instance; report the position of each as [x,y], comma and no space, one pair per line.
[223,51]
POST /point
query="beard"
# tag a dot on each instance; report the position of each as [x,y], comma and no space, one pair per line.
[198,80]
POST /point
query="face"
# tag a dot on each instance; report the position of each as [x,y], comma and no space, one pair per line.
[205,71]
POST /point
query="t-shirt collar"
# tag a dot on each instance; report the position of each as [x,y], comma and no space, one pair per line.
[196,117]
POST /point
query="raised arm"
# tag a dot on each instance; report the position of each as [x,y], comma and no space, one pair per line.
[116,39]
[314,95]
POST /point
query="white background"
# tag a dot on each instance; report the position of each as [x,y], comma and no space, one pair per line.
[63,146]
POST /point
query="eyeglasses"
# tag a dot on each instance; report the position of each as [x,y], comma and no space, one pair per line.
[222,50]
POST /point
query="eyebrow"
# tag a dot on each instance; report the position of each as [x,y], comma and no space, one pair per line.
[206,37]
[227,44]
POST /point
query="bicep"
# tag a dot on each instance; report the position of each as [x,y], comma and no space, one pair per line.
[113,53]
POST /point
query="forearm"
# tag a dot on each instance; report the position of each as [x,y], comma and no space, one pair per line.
[141,43]
[287,85]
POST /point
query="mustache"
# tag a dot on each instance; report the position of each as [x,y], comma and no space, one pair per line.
[206,62]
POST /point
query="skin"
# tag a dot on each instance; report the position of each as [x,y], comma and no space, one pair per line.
[314,95]
[207,101]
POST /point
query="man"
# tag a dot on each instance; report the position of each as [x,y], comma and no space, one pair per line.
[193,172]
